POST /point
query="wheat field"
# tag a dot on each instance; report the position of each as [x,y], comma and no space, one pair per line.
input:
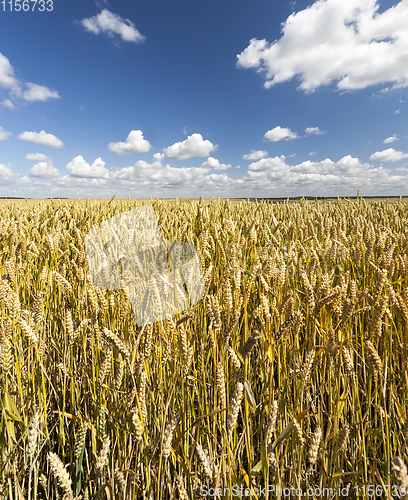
[291,371]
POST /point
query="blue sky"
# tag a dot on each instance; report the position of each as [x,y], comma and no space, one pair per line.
[224,98]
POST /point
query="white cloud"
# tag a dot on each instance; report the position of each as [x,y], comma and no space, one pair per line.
[397,112]
[33,92]
[66,181]
[255,155]
[98,182]
[158,156]
[7,78]
[211,162]
[78,167]
[8,176]
[7,104]
[36,92]
[194,145]
[42,138]
[45,170]
[278,133]
[134,144]
[274,177]
[109,23]
[140,169]
[268,164]
[334,40]
[5,170]
[271,177]
[219,180]
[389,154]
[4,134]
[278,168]
[393,138]
[37,157]
[155,176]
[266,177]
[314,131]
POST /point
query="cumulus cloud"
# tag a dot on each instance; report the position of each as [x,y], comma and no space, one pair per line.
[68,181]
[143,175]
[37,157]
[133,144]
[314,131]
[31,92]
[8,176]
[137,171]
[5,170]
[390,139]
[389,154]
[4,134]
[255,155]
[98,182]
[269,177]
[278,134]
[45,170]
[211,162]
[78,167]
[7,78]
[347,42]
[268,164]
[111,24]
[36,92]
[7,104]
[264,177]
[158,156]
[42,138]
[194,145]
[275,177]
[278,168]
